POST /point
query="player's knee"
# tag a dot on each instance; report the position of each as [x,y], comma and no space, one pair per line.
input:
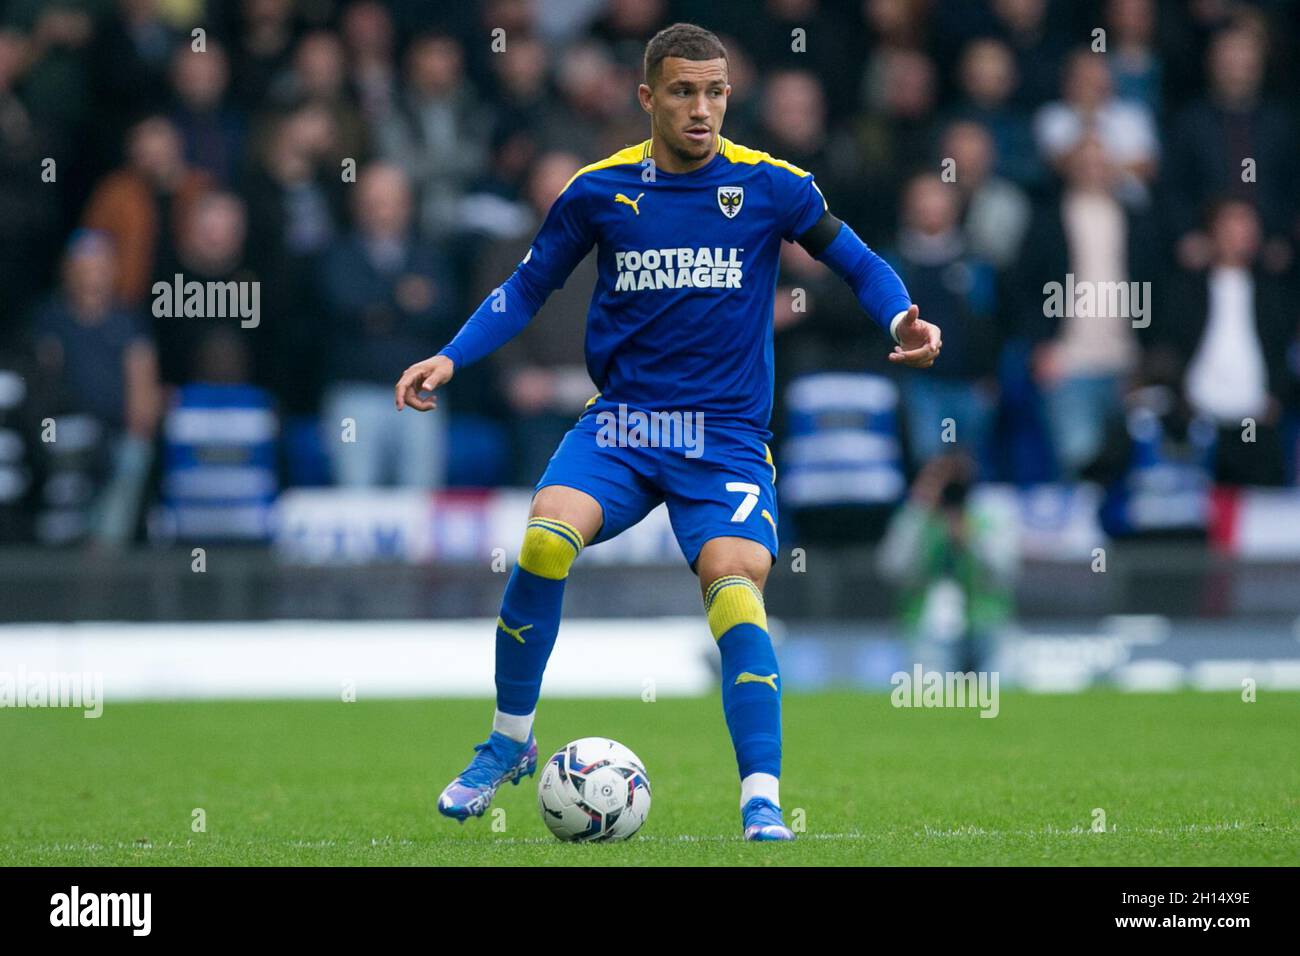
[732,599]
[550,547]
[574,507]
[724,556]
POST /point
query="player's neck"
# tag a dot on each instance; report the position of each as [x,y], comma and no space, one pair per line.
[669,162]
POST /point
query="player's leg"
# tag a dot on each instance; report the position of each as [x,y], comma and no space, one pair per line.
[723,510]
[732,574]
[588,493]
[560,522]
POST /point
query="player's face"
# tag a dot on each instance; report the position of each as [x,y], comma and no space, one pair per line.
[687,104]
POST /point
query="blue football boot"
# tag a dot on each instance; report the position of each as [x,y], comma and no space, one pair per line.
[496,760]
[763,821]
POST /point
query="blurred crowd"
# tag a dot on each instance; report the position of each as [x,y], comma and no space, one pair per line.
[379,167]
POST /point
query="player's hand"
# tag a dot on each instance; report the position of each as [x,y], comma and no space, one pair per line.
[424,376]
[920,341]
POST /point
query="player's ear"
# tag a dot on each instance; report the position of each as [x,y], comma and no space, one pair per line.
[646,96]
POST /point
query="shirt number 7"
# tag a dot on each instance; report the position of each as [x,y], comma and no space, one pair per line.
[751,498]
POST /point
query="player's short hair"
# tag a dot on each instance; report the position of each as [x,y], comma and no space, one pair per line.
[684,40]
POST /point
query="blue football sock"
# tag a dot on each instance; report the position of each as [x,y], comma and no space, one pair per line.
[751,689]
[751,699]
[530,612]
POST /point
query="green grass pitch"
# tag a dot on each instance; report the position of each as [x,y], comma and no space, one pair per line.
[1188,779]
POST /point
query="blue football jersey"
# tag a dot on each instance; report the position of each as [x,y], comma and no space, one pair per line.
[681,315]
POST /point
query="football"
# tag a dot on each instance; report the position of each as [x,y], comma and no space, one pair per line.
[594,789]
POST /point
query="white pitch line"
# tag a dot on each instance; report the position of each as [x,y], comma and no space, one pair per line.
[681,838]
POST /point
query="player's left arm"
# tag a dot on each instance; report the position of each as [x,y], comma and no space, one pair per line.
[877,286]
[564,239]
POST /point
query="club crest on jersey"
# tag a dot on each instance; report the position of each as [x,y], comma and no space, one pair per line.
[730,199]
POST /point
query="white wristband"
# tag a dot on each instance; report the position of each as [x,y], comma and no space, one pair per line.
[893,325]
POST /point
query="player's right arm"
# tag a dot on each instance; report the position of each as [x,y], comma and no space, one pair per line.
[808,221]
[562,242]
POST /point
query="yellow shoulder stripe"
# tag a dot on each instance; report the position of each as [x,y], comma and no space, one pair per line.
[743,154]
[624,157]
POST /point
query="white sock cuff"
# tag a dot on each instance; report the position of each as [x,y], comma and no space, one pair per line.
[515,726]
[760,785]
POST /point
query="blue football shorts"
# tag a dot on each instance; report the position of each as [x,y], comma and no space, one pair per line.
[717,481]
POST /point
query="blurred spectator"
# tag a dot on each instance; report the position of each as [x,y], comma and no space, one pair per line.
[213,133]
[900,89]
[794,116]
[296,193]
[495,203]
[212,249]
[955,563]
[795,128]
[319,76]
[438,134]
[521,98]
[1082,354]
[107,371]
[57,66]
[1231,328]
[541,370]
[820,327]
[958,293]
[626,25]
[101,353]
[1036,42]
[262,48]
[1089,108]
[822,44]
[144,205]
[598,113]
[988,80]
[995,211]
[388,296]
[368,36]
[517,19]
[1233,142]
[525,108]
[29,225]
[951,25]
[745,101]
[132,54]
[896,24]
[296,207]
[1136,67]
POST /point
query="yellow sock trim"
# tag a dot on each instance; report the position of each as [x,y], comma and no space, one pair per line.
[733,599]
[561,528]
[550,548]
[725,581]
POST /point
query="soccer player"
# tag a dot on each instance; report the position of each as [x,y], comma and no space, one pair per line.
[687,226]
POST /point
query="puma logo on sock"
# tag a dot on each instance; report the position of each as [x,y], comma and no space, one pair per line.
[748,678]
[517,632]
